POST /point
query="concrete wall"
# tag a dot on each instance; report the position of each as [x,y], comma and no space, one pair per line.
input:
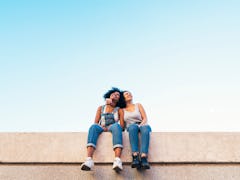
[171,155]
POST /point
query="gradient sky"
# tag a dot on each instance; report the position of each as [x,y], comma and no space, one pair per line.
[180,59]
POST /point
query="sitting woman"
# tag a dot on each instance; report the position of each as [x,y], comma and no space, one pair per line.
[136,121]
[106,119]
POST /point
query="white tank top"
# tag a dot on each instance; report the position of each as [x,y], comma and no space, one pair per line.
[133,117]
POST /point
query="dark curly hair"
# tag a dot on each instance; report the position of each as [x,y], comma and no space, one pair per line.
[121,103]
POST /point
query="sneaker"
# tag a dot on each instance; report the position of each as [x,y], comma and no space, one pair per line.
[88,164]
[144,163]
[117,164]
[135,161]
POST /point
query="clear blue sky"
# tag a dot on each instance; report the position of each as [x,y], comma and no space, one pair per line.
[180,59]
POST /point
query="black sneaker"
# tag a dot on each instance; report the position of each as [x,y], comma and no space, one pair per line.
[135,161]
[144,163]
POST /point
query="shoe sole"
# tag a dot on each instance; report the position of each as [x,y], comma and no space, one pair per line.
[85,168]
[135,165]
[117,169]
[145,167]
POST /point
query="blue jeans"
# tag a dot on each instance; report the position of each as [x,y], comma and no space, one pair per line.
[133,131]
[95,130]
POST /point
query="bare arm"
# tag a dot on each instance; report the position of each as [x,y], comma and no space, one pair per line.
[143,114]
[98,115]
[121,118]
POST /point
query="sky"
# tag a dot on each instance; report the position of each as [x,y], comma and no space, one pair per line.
[179,58]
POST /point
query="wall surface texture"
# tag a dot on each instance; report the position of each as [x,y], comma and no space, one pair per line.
[172,155]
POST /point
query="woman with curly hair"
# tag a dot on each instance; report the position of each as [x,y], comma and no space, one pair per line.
[109,117]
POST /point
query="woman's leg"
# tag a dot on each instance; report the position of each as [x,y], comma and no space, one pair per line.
[133,130]
[93,133]
[145,138]
[116,131]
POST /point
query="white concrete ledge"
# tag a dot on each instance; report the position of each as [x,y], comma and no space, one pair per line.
[105,172]
[167,147]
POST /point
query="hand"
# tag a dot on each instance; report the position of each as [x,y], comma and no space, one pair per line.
[142,123]
[105,129]
[108,101]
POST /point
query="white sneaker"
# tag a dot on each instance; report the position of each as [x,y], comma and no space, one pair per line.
[88,164]
[117,164]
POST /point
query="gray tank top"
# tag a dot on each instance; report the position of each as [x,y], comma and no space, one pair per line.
[133,117]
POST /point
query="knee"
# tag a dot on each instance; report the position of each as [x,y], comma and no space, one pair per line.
[93,127]
[115,127]
[145,129]
[133,127]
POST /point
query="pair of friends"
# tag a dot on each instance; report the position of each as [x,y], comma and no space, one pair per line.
[119,113]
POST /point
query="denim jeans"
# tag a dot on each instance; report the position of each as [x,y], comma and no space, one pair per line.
[95,130]
[133,131]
